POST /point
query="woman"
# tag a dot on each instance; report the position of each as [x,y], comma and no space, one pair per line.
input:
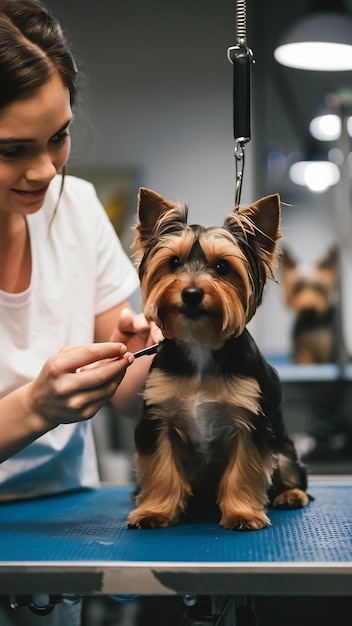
[67,331]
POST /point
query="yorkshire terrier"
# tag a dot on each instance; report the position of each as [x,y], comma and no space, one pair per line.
[310,291]
[211,423]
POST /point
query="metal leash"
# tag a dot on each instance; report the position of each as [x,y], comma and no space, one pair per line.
[242,59]
[239,163]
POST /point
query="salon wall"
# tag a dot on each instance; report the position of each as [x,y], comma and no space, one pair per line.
[157,100]
[159,94]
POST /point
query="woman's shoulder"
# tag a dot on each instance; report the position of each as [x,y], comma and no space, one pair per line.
[68,188]
[74,182]
[69,199]
[71,212]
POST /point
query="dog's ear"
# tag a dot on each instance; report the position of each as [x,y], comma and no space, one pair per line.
[265,214]
[331,260]
[157,216]
[151,206]
[258,227]
[287,260]
[288,264]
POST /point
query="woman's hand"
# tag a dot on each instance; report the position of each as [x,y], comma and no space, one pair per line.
[134,330]
[121,324]
[74,384]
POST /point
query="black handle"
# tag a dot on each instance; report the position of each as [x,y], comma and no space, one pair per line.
[242,58]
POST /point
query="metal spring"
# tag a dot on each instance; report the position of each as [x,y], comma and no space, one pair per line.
[241,21]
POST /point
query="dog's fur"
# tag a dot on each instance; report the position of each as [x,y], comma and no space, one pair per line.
[211,424]
[310,291]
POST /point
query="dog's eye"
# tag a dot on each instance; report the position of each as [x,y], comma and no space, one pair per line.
[175,262]
[222,267]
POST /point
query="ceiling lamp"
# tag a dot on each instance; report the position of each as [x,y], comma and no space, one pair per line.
[349,126]
[322,40]
[335,114]
[318,176]
[326,127]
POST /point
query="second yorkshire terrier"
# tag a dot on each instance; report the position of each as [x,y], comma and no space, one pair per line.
[311,293]
[211,423]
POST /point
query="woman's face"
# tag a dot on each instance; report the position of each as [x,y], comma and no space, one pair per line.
[34,146]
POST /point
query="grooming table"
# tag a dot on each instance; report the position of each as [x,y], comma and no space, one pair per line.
[78,543]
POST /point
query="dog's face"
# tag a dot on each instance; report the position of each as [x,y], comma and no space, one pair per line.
[310,289]
[202,285]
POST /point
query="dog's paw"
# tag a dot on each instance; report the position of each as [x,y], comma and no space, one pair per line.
[148,519]
[291,499]
[240,521]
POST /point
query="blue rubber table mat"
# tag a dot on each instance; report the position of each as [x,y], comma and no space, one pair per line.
[91,526]
[79,543]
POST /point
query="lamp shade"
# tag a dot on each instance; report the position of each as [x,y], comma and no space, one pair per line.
[320,41]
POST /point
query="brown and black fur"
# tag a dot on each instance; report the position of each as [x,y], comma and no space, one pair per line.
[211,424]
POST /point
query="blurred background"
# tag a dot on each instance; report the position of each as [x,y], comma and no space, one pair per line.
[156,110]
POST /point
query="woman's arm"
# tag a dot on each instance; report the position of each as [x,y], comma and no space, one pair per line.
[122,324]
[72,386]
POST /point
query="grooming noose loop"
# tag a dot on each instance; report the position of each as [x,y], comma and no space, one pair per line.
[239,162]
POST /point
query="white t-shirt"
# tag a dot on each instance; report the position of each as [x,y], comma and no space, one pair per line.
[79,270]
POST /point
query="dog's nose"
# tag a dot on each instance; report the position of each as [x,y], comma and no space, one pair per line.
[192,295]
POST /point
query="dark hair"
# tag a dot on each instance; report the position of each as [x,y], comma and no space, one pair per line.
[32,48]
